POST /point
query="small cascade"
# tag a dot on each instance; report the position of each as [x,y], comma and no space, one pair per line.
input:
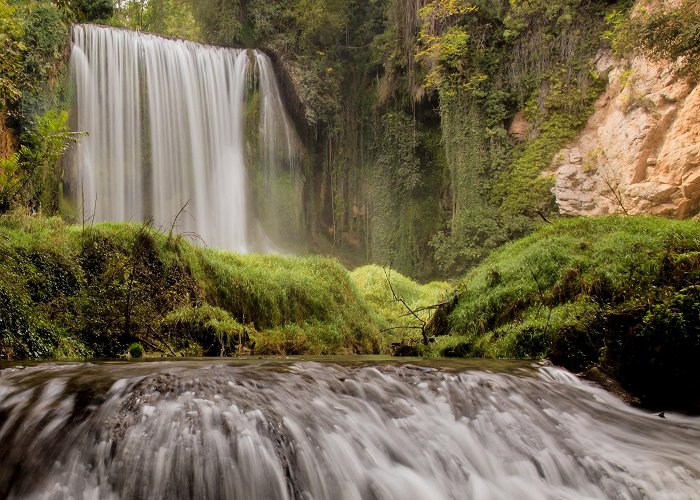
[166,124]
[303,430]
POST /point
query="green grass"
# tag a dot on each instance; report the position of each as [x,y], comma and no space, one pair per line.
[68,291]
[373,283]
[622,293]
[619,292]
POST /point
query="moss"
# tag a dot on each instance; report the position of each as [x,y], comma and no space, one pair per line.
[620,292]
[374,284]
[93,291]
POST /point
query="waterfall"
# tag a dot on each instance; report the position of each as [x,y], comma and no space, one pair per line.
[361,430]
[167,127]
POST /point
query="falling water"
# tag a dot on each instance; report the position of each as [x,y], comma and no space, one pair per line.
[166,128]
[304,430]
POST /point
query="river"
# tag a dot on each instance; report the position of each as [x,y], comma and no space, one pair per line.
[359,428]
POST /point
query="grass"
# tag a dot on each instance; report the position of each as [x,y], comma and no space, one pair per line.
[618,292]
[399,325]
[68,291]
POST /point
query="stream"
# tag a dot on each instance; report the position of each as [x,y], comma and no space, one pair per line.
[356,428]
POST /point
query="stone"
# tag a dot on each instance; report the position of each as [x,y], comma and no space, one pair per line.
[643,139]
[519,128]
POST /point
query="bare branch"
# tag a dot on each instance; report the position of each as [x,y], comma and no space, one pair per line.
[387,273]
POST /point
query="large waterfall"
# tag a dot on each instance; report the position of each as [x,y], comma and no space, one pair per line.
[170,124]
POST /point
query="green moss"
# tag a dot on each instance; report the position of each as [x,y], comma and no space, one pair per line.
[375,284]
[616,291]
[93,291]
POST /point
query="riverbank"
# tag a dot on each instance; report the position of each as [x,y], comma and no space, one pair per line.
[615,297]
[92,291]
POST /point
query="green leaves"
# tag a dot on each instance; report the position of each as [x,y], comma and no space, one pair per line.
[30,175]
[13,50]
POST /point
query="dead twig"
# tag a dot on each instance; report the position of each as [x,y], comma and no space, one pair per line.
[387,273]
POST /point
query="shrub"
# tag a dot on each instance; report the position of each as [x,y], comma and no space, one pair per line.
[135,350]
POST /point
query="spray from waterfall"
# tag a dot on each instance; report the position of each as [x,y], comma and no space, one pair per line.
[168,125]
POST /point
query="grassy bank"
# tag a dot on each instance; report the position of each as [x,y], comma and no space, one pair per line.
[620,293]
[72,291]
[402,305]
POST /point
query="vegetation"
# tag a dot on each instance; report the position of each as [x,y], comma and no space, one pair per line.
[406,110]
[671,34]
[619,292]
[403,107]
[403,306]
[165,17]
[74,291]
[32,98]
[135,350]
[417,97]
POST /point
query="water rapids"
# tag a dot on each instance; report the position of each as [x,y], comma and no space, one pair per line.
[303,429]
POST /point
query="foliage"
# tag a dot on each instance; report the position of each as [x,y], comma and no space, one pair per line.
[486,60]
[11,38]
[135,350]
[165,17]
[31,83]
[33,36]
[616,291]
[31,176]
[45,38]
[665,33]
[375,284]
[404,209]
[95,290]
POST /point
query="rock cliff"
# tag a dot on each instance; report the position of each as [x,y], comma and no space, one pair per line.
[640,149]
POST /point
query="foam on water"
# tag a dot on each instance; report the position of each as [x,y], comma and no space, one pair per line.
[310,430]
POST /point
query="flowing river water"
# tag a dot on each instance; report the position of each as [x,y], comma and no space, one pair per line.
[362,429]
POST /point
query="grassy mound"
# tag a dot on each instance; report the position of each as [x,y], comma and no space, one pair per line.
[375,284]
[619,292]
[69,291]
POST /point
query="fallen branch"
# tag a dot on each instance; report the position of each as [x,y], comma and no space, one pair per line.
[411,311]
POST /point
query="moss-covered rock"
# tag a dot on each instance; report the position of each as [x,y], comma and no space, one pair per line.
[619,292]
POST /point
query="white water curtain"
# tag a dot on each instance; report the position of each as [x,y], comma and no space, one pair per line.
[165,123]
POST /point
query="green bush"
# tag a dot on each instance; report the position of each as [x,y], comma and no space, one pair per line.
[135,350]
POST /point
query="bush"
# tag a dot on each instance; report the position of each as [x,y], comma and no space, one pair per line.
[135,350]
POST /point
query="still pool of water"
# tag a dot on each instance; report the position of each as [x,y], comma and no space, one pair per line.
[332,428]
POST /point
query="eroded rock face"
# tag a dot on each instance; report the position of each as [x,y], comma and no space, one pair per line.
[639,151]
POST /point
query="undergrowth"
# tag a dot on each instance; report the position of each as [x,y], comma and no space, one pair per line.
[74,291]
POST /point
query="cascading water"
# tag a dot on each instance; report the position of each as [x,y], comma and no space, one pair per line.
[166,127]
[265,430]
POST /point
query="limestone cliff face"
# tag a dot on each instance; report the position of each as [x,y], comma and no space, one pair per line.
[639,151]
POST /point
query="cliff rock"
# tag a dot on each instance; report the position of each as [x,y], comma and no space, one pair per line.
[640,149]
